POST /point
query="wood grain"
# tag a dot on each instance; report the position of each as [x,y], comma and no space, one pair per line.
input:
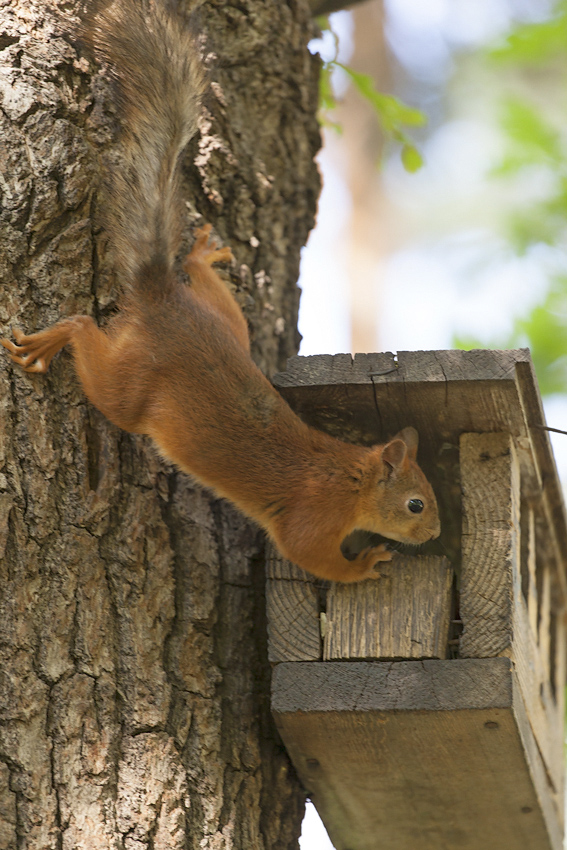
[407,755]
[443,394]
[400,750]
[430,685]
[293,611]
[544,634]
[532,594]
[490,480]
[544,712]
[403,614]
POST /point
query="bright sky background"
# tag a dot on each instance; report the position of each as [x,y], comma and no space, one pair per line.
[439,282]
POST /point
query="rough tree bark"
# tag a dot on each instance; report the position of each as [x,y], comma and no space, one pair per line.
[134,709]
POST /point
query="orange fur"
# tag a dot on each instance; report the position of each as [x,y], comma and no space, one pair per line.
[175,363]
[179,369]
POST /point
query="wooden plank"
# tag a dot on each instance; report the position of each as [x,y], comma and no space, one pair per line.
[399,755]
[542,462]
[490,483]
[372,397]
[343,686]
[327,369]
[560,664]
[544,636]
[443,394]
[403,614]
[541,708]
[362,715]
[406,366]
[532,583]
[293,611]
[551,800]
[561,651]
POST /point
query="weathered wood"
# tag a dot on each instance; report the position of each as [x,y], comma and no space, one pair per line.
[429,685]
[531,568]
[403,614]
[443,394]
[496,617]
[559,678]
[490,542]
[405,367]
[293,611]
[544,636]
[397,754]
[543,711]
[538,468]
[412,754]
[536,625]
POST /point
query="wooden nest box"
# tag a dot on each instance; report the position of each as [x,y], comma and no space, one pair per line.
[424,710]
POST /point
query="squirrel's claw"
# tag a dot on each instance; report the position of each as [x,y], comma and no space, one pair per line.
[370,557]
[206,251]
[30,354]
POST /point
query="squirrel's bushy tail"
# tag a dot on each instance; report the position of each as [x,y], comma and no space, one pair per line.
[159,79]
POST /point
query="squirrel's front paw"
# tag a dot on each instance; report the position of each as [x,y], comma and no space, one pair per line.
[205,251]
[370,557]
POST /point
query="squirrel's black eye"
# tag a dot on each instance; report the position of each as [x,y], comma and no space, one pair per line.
[415,506]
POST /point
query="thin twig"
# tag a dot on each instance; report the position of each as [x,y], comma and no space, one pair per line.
[547,428]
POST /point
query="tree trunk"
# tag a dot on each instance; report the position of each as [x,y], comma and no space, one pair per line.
[134,682]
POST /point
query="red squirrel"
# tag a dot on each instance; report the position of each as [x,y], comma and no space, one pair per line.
[175,362]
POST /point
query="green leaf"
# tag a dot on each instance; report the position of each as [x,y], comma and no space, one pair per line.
[327,98]
[322,21]
[538,148]
[533,139]
[392,114]
[544,330]
[411,159]
[541,223]
[535,43]
[390,111]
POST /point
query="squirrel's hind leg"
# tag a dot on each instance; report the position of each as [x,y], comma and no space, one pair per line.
[207,286]
[104,362]
[34,352]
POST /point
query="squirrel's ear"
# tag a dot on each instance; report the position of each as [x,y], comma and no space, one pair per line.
[411,438]
[394,454]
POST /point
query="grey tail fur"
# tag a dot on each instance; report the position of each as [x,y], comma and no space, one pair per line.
[159,80]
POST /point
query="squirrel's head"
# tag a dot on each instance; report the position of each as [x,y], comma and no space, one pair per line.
[397,500]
